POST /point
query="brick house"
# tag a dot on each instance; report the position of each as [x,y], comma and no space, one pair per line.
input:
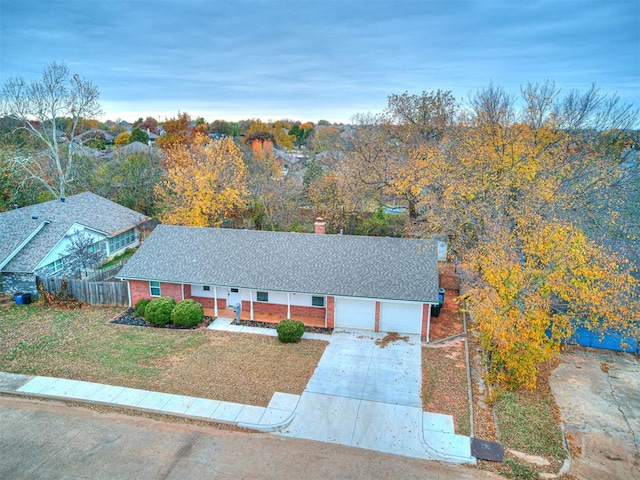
[371,283]
[35,240]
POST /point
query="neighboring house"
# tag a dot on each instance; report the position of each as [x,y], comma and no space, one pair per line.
[371,283]
[36,239]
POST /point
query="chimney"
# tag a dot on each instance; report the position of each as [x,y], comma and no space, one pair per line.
[319,226]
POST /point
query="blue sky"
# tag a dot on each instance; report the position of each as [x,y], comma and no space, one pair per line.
[322,59]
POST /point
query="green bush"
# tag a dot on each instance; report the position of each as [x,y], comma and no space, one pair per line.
[140,307]
[158,311]
[290,331]
[187,313]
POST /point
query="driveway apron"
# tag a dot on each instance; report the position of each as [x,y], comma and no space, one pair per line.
[365,395]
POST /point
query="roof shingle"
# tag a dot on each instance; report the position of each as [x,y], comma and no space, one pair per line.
[342,265]
[86,208]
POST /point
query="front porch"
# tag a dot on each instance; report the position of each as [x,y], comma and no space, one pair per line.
[266,317]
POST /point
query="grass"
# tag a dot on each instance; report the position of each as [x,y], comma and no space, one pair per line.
[128,253]
[82,345]
[444,384]
[527,422]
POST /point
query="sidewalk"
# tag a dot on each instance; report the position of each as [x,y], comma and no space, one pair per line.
[275,416]
[360,395]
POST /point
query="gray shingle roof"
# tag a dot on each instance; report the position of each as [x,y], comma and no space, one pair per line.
[342,265]
[56,218]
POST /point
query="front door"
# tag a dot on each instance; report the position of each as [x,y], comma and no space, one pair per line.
[233,297]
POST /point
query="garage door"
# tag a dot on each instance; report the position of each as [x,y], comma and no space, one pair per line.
[355,313]
[401,317]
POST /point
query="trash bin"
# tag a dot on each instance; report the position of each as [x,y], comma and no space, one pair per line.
[26,298]
[435,309]
[18,298]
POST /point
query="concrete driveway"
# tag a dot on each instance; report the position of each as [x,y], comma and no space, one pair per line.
[367,395]
[599,400]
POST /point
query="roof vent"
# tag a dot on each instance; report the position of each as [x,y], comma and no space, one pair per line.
[34,215]
[62,199]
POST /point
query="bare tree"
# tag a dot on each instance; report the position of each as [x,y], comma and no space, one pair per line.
[83,252]
[39,107]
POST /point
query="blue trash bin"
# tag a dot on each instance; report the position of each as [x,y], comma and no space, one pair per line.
[18,298]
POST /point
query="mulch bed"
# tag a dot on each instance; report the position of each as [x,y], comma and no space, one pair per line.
[253,323]
[128,318]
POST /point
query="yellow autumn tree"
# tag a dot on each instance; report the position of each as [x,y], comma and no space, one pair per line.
[535,286]
[530,201]
[205,181]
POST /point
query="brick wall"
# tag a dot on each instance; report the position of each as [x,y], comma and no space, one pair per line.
[280,309]
[20,283]
[331,310]
[426,311]
[140,289]
[207,302]
[376,327]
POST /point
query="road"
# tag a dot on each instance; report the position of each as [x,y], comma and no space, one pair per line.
[47,440]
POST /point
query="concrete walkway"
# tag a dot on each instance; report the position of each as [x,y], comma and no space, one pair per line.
[361,394]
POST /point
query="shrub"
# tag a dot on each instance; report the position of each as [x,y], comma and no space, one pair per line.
[158,311]
[187,313]
[140,307]
[290,331]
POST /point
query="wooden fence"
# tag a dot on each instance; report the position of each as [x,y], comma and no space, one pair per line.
[93,293]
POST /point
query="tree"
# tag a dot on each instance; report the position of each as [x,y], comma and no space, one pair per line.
[177,131]
[150,124]
[138,135]
[529,198]
[130,180]
[83,252]
[205,181]
[38,106]
[123,139]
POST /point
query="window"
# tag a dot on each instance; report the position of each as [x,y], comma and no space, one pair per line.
[55,266]
[262,296]
[95,247]
[120,241]
[154,289]
[206,288]
[317,301]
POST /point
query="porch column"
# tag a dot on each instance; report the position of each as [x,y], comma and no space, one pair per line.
[182,287]
[251,302]
[215,301]
[288,305]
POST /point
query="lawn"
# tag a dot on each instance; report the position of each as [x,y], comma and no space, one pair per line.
[83,345]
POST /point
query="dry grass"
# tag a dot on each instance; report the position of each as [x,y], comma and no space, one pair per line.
[82,345]
[444,384]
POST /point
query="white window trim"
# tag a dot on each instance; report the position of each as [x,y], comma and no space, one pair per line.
[151,287]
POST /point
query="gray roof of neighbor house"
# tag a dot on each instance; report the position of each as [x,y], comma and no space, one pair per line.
[342,265]
[25,240]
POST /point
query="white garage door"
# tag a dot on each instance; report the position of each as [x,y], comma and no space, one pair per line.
[355,313]
[401,317]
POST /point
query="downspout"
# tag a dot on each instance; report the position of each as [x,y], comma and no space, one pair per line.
[428,322]
[129,292]
[215,301]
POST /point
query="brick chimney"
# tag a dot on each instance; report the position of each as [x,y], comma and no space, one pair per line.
[319,226]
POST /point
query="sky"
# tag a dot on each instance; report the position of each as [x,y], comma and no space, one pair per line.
[322,59]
